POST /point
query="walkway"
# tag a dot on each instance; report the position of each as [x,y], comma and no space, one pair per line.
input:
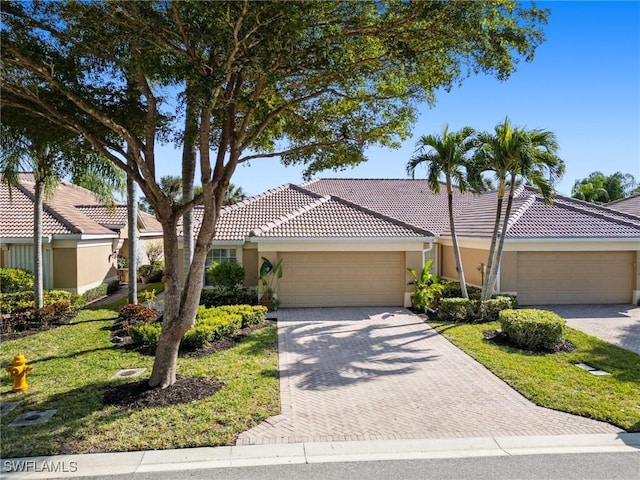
[617,324]
[376,374]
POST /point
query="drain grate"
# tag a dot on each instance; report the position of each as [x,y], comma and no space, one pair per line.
[32,418]
[129,372]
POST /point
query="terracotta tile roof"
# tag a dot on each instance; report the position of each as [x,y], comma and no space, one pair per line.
[407,200]
[630,205]
[16,215]
[71,210]
[114,216]
[412,202]
[238,220]
[330,217]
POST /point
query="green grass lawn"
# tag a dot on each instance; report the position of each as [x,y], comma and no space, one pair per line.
[552,380]
[72,366]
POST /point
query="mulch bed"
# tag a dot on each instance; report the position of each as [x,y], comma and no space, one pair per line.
[140,395]
[8,332]
[498,338]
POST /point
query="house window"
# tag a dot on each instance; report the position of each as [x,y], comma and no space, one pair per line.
[219,255]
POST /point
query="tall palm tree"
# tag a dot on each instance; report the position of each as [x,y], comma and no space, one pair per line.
[446,155]
[30,145]
[514,154]
[233,195]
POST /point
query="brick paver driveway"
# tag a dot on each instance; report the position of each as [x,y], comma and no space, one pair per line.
[371,373]
[617,324]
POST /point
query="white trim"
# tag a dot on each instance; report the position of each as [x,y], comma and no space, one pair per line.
[341,240]
[340,247]
[23,240]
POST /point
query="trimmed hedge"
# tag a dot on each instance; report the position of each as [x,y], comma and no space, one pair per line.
[452,289]
[533,329]
[95,293]
[211,324]
[10,302]
[113,286]
[217,296]
[456,309]
[490,309]
[225,274]
[15,280]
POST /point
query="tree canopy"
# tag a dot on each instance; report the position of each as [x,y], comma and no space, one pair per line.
[601,188]
[314,83]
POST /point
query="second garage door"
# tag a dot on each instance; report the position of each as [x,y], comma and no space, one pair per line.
[574,277]
[342,279]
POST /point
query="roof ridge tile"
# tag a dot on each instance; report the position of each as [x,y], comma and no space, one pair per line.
[282,219]
[386,218]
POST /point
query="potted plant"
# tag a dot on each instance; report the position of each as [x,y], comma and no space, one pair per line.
[123,271]
[269,276]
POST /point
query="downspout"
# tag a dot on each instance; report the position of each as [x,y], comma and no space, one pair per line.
[424,253]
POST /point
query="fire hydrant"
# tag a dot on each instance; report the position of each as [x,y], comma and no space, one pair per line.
[18,370]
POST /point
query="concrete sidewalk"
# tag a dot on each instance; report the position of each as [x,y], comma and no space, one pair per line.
[68,466]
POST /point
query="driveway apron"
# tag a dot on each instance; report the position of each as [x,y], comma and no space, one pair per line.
[381,374]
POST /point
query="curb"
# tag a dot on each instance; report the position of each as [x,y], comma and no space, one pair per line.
[68,466]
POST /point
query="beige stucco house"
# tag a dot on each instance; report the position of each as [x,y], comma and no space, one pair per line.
[81,238]
[349,242]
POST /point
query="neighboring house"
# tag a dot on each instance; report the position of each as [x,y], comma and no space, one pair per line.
[630,205]
[349,242]
[81,238]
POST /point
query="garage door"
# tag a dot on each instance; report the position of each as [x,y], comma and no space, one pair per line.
[341,279]
[574,277]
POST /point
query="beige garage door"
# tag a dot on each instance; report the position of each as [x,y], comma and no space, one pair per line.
[340,279]
[574,277]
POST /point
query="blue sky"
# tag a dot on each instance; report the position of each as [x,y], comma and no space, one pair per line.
[583,84]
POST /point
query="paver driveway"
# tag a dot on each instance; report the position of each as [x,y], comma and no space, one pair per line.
[617,324]
[371,373]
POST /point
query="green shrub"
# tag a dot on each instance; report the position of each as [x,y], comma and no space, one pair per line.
[113,286]
[452,289]
[152,273]
[15,279]
[10,302]
[131,315]
[217,296]
[197,337]
[251,314]
[490,309]
[456,309]
[146,334]
[225,274]
[95,293]
[533,329]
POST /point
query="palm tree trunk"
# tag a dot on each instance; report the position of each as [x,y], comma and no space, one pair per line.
[486,292]
[454,239]
[505,224]
[38,204]
[132,234]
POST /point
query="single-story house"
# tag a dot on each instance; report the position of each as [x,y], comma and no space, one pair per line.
[349,242]
[82,238]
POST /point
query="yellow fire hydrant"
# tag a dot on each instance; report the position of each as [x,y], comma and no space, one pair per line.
[18,370]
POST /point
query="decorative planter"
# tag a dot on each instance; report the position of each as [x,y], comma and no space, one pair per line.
[123,275]
[268,304]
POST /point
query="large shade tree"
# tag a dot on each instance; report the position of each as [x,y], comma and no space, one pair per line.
[447,156]
[313,83]
[514,154]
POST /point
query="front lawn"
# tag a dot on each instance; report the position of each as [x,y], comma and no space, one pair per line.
[552,380]
[72,368]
